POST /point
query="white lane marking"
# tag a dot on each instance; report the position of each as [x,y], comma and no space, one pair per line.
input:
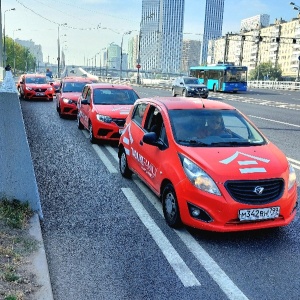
[104,159]
[217,274]
[181,269]
[284,123]
[85,133]
[113,152]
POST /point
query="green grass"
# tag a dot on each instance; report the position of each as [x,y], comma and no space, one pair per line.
[15,213]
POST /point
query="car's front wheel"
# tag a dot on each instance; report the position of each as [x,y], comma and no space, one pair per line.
[92,138]
[79,124]
[123,165]
[170,206]
[184,93]
[173,93]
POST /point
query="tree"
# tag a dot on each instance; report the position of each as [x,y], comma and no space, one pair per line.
[265,71]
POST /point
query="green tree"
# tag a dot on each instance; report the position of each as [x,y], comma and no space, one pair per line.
[19,56]
[265,71]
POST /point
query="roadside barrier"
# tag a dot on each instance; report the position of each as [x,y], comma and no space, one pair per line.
[17,177]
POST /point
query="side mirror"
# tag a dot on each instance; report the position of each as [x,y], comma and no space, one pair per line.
[21,82]
[84,101]
[151,138]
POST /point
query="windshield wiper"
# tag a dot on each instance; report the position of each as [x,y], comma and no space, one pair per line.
[192,142]
[234,143]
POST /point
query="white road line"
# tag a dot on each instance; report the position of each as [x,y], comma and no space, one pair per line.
[104,159]
[112,151]
[294,125]
[186,276]
[217,274]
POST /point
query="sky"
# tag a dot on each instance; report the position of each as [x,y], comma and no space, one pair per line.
[93,24]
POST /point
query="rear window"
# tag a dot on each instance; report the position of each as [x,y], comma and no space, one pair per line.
[73,87]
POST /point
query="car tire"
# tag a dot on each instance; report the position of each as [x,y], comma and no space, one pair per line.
[92,138]
[79,124]
[170,206]
[173,93]
[184,93]
[123,165]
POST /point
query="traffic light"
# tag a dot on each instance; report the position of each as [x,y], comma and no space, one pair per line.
[294,41]
[277,40]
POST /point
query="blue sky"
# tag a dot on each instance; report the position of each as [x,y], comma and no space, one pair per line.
[93,24]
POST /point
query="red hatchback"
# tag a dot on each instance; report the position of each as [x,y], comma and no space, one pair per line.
[36,86]
[212,168]
[103,108]
[68,93]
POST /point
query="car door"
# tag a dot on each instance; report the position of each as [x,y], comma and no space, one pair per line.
[149,158]
[85,108]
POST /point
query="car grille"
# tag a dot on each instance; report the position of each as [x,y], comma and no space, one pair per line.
[119,122]
[40,90]
[255,191]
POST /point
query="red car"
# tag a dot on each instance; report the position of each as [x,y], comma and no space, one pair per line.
[103,108]
[209,164]
[68,93]
[36,86]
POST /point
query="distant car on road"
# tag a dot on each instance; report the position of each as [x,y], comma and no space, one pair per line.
[189,87]
[209,164]
[36,86]
[103,108]
[68,93]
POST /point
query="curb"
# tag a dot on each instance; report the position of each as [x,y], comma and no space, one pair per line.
[39,262]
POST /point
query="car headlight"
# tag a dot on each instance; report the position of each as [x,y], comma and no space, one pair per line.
[103,118]
[198,177]
[66,100]
[28,88]
[190,89]
[292,176]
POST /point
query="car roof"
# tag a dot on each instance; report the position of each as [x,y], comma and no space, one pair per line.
[186,103]
[110,86]
[34,75]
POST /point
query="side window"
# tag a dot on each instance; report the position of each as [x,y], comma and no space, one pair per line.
[88,96]
[138,113]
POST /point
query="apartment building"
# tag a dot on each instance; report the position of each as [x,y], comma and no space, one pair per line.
[190,54]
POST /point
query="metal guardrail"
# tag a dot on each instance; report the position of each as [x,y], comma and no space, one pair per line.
[276,85]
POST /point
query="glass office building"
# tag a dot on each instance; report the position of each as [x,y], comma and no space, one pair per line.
[213,24]
[160,38]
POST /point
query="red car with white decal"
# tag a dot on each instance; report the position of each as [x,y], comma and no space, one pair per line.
[210,165]
[103,109]
[68,93]
[36,86]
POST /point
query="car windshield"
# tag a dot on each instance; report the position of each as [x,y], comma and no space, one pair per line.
[191,81]
[73,87]
[114,96]
[37,80]
[213,128]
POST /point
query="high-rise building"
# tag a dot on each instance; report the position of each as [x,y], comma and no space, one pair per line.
[213,24]
[255,22]
[190,54]
[161,31]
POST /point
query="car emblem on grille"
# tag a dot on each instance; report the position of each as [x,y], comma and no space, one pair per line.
[258,190]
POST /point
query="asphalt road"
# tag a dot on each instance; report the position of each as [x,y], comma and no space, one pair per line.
[105,237]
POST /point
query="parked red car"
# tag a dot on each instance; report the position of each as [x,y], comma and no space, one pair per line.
[68,93]
[35,86]
[212,168]
[103,108]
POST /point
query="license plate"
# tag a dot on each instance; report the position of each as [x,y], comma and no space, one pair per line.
[259,213]
[40,94]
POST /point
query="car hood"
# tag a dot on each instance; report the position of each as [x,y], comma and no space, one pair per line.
[38,86]
[71,96]
[114,111]
[195,85]
[239,163]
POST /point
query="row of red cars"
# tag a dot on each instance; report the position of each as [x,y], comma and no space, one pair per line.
[212,168]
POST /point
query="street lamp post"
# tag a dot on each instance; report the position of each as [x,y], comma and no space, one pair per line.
[121,60]
[58,49]
[4,44]
[107,58]
[14,55]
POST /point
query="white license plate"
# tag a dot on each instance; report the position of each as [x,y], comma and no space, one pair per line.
[40,94]
[259,213]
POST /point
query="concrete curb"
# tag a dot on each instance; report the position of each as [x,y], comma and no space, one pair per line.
[39,262]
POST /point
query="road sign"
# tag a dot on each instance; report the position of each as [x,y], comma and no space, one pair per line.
[138,66]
